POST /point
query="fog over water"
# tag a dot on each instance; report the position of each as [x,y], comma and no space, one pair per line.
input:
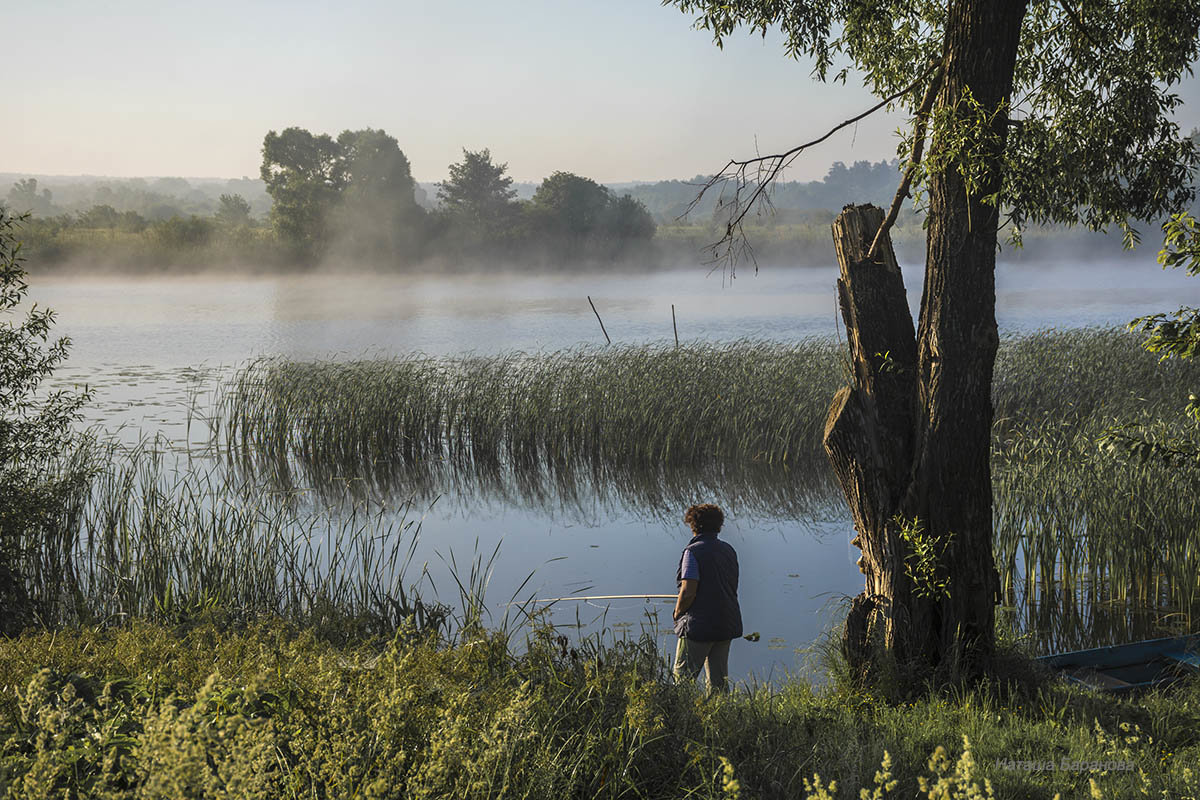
[149,345]
[187,321]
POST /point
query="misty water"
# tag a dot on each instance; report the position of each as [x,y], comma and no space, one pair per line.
[152,348]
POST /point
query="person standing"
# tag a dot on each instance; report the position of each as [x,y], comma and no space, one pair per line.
[707,616]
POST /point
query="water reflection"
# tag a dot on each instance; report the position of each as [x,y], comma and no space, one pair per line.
[142,340]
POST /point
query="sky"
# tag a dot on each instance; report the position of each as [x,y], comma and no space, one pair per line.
[617,90]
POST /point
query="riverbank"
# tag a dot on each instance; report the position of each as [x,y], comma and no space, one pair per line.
[274,711]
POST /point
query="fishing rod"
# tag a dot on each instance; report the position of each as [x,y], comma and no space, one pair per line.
[750,637]
[608,597]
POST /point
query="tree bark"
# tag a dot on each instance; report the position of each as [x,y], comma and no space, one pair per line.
[910,441]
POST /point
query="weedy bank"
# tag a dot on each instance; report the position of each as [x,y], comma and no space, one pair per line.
[274,711]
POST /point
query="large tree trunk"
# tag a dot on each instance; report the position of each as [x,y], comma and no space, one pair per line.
[910,440]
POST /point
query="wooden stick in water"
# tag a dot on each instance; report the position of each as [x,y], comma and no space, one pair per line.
[597,313]
[674,326]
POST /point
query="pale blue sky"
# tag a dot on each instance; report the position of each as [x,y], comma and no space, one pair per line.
[615,90]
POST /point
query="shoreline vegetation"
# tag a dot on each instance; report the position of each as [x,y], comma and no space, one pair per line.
[202,632]
[271,710]
[318,204]
[302,503]
[200,636]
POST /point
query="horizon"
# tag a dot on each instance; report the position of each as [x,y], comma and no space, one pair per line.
[625,89]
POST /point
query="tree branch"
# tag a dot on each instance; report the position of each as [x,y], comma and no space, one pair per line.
[766,170]
[919,126]
[1077,21]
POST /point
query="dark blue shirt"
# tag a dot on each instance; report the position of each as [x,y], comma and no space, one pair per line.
[714,615]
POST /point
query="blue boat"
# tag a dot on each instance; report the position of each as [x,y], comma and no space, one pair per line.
[1130,667]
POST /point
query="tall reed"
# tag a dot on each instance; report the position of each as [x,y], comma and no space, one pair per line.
[1091,543]
[147,537]
[630,417]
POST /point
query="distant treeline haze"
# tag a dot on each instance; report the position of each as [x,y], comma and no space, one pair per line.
[352,200]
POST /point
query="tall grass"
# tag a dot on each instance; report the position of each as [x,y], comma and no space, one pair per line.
[149,537]
[1096,544]
[628,419]
[1093,545]
[273,712]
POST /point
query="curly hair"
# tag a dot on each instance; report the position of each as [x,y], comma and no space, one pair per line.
[704,518]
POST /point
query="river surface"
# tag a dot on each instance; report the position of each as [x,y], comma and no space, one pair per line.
[152,347]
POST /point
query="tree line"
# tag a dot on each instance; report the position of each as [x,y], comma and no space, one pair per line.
[350,198]
[354,198]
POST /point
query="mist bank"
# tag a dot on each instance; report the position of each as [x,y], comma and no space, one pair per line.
[193,245]
[351,203]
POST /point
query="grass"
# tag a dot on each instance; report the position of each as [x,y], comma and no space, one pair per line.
[210,636]
[1095,544]
[273,711]
[149,538]
[629,420]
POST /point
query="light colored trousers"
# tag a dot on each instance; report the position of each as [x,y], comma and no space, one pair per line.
[713,657]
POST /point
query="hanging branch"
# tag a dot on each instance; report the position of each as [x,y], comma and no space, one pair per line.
[1077,21]
[919,126]
[760,172]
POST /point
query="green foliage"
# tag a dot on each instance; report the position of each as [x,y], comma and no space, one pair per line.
[570,206]
[24,198]
[579,216]
[1181,244]
[271,711]
[1092,137]
[36,427]
[925,562]
[233,209]
[302,175]
[966,134]
[377,218]
[105,216]
[479,199]
[178,233]
[1177,335]
[356,191]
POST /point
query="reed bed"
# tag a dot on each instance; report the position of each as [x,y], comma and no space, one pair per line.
[148,537]
[591,410]
[1094,545]
[563,423]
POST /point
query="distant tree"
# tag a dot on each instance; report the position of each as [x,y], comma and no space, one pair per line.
[569,206]
[132,221]
[183,233]
[36,429]
[101,216]
[478,197]
[378,217]
[177,187]
[232,209]
[578,216]
[303,175]
[627,221]
[24,197]
[163,211]
[358,188]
